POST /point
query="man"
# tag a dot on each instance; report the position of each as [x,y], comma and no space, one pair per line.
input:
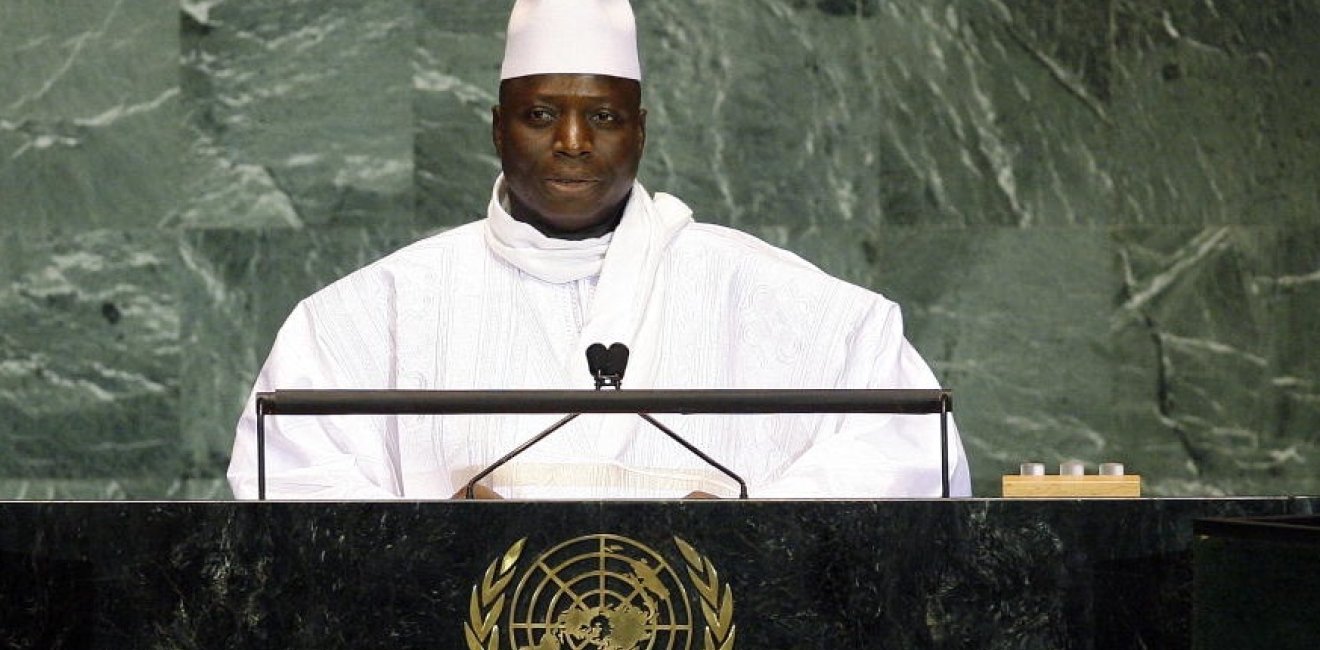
[574,251]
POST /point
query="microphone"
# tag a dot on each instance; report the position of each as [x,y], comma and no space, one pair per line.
[607,364]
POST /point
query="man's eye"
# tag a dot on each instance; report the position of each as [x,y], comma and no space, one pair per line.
[606,117]
[540,115]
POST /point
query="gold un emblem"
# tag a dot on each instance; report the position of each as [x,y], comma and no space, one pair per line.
[599,592]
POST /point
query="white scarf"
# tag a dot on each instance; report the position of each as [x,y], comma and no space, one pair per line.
[629,293]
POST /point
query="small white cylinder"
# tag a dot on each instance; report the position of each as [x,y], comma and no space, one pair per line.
[1032,469]
[1111,469]
[1072,468]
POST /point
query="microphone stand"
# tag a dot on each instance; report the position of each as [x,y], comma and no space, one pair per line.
[742,485]
[603,379]
[469,490]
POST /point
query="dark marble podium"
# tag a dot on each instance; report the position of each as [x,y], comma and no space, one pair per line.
[983,573]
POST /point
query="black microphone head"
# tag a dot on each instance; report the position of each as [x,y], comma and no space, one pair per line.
[598,359]
[618,360]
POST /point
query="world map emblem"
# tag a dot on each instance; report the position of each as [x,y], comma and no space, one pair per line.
[600,592]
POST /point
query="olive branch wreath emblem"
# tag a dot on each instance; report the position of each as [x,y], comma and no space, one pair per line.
[487,602]
[482,629]
[716,600]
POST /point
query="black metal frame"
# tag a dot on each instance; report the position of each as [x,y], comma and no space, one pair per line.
[640,402]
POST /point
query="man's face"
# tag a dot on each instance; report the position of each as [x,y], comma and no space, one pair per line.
[569,145]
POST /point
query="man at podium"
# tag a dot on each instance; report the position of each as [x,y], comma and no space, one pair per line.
[573,251]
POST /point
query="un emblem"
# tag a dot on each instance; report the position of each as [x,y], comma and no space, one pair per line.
[599,592]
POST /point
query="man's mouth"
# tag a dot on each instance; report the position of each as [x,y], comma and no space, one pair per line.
[571,183]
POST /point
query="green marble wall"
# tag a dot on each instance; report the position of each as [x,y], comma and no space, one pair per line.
[1101,216]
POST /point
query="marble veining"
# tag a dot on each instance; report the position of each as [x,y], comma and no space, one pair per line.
[1099,217]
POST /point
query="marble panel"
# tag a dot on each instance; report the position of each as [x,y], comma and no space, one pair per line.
[302,110]
[91,129]
[456,72]
[1215,337]
[90,356]
[1199,104]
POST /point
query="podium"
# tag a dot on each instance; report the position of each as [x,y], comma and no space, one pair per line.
[986,573]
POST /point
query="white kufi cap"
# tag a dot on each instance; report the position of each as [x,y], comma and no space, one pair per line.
[571,37]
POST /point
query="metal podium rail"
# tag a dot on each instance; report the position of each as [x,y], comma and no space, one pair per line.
[641,402]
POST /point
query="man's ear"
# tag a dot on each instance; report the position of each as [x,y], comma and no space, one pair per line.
[496,137]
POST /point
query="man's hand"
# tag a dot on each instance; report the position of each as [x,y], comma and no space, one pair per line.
[479,492]
[698,494]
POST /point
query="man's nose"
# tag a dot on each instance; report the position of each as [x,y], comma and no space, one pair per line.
[573,136]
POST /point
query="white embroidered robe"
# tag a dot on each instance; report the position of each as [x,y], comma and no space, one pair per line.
[701,306]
